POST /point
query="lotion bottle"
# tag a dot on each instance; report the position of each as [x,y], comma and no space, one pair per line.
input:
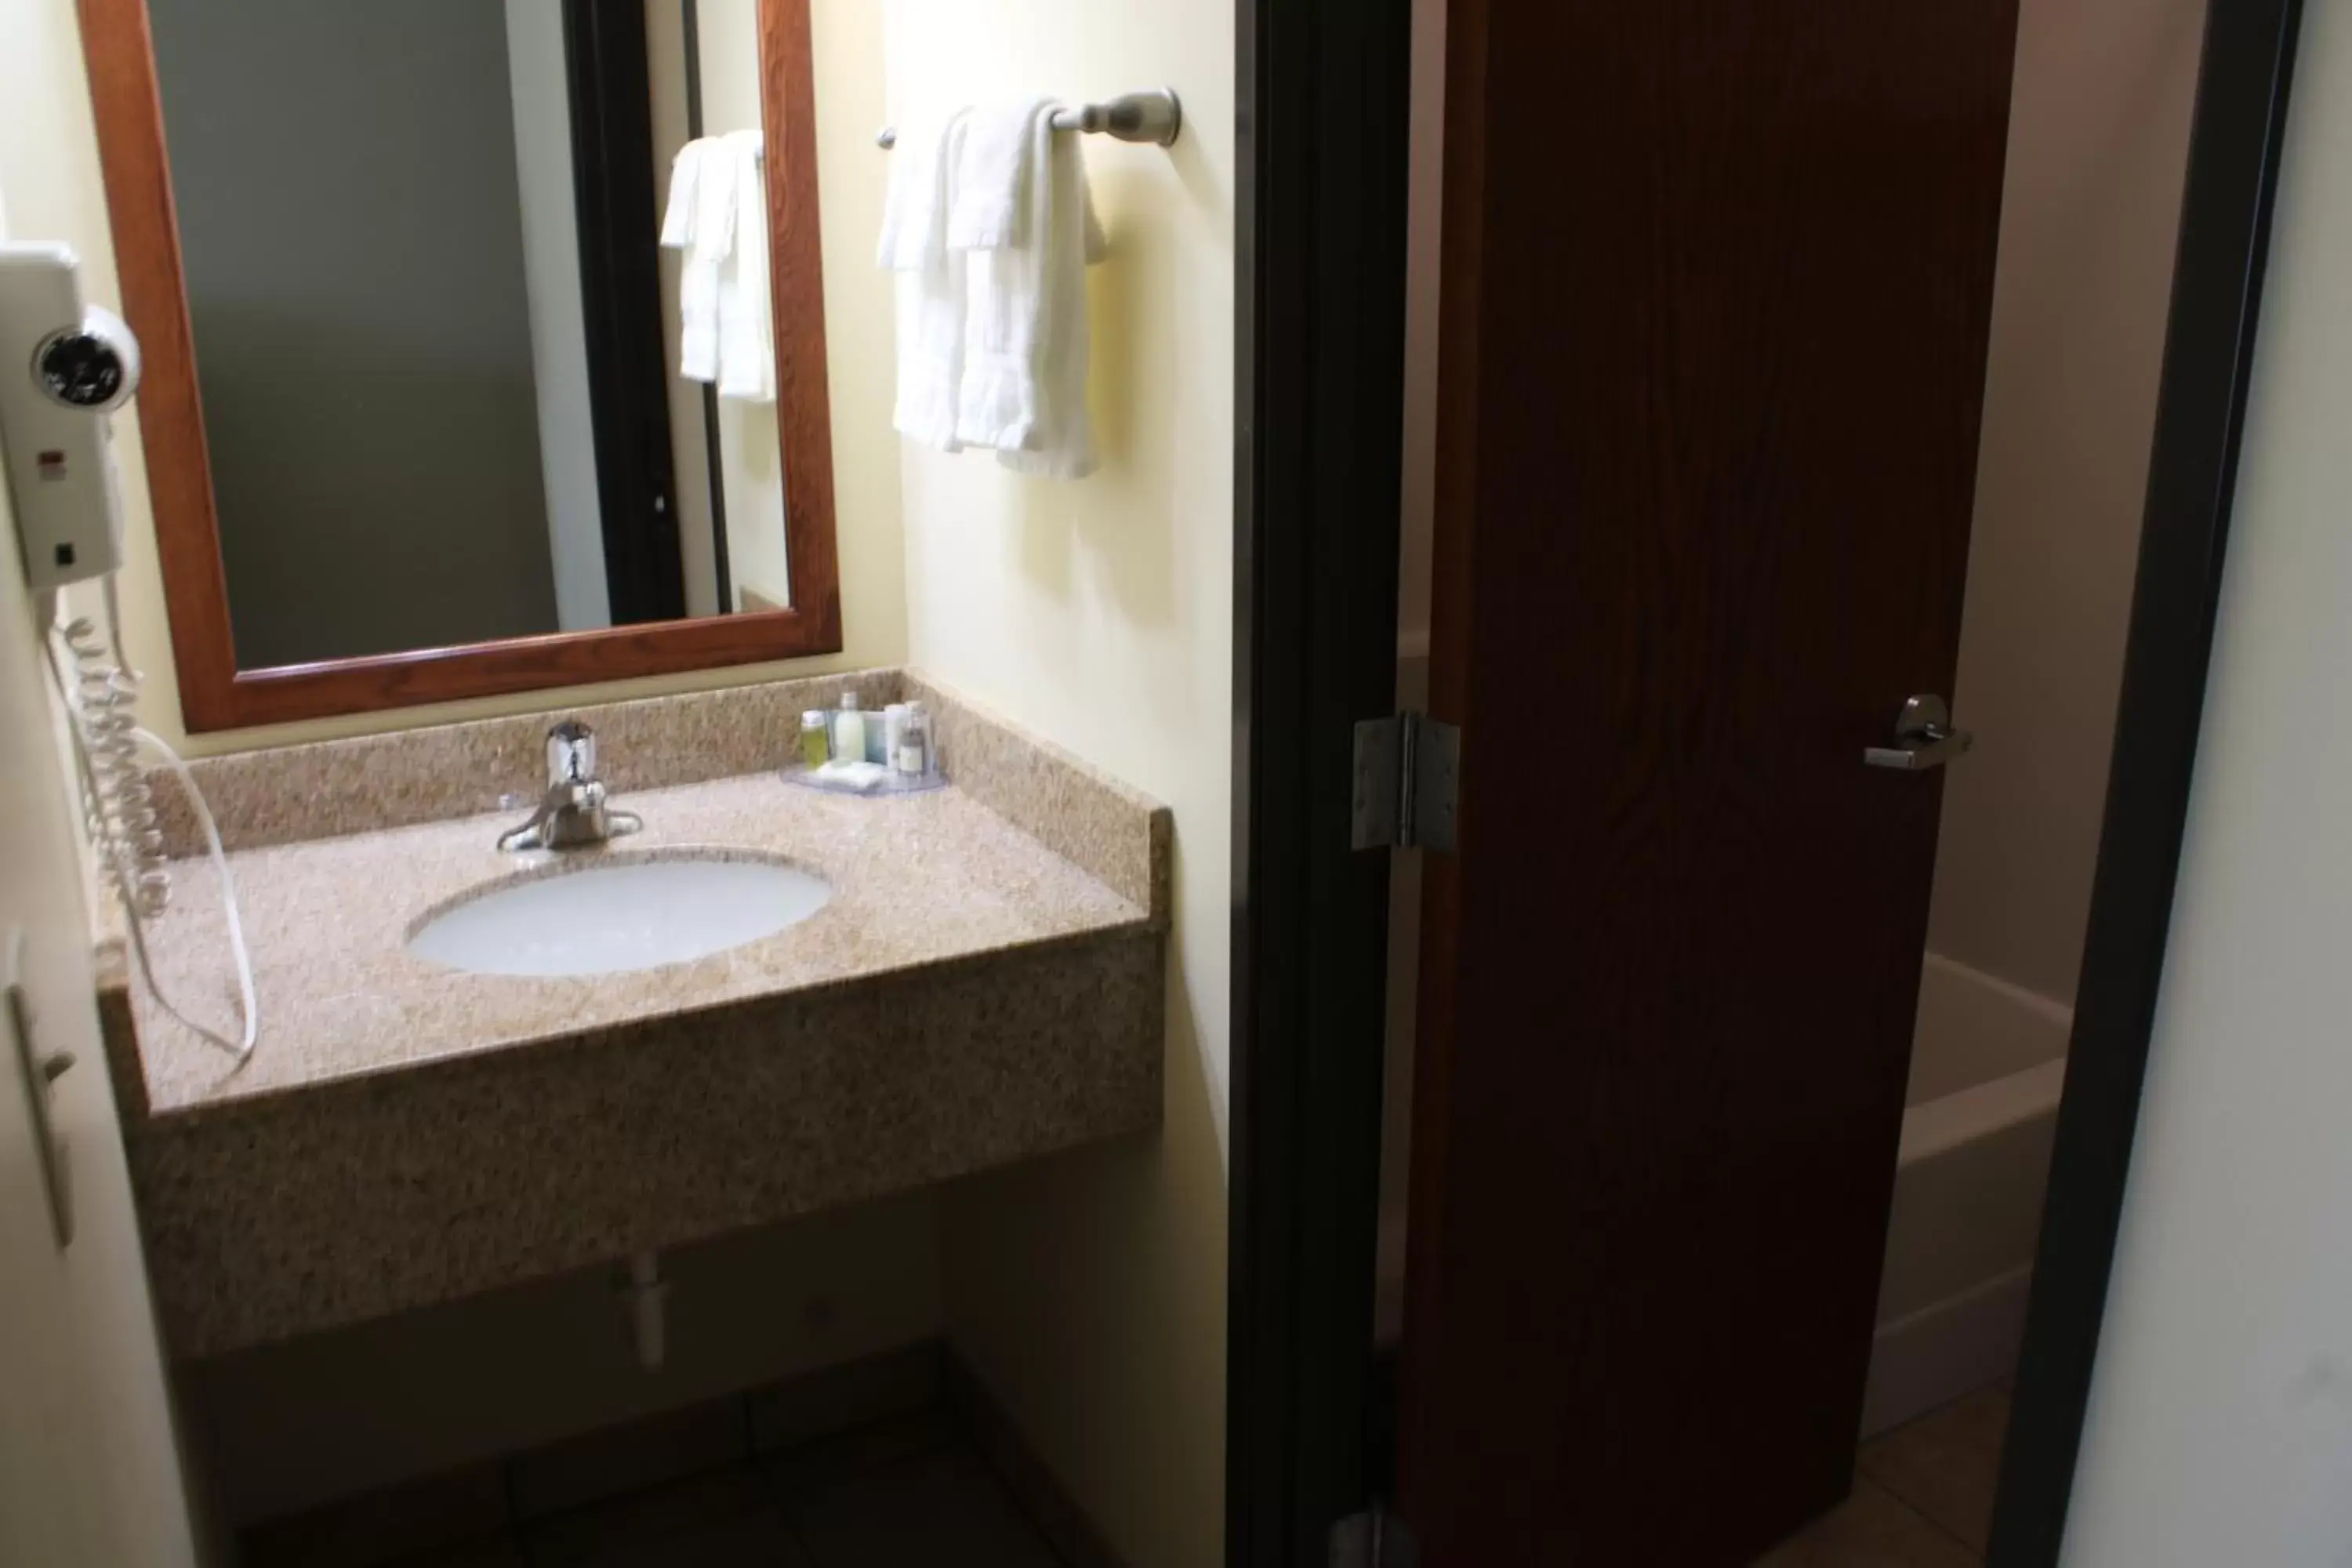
[849,729]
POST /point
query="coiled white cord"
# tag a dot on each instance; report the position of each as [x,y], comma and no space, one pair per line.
[124,825]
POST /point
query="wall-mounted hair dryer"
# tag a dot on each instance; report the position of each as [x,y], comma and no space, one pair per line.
[64,367]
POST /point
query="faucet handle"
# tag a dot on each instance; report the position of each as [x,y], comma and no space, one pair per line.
[570,753]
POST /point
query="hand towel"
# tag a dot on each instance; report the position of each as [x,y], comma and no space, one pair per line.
[992,176]
[677,219]
[1025,380]
[700,221]
[747,333]
[932,281]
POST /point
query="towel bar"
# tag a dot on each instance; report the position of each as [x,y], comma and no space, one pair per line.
[1154,116]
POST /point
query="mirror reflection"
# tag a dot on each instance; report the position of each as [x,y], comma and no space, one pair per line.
[456,385]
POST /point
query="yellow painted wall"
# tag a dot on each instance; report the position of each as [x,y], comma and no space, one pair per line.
[90,1467]
[1090,1293]
[48,163]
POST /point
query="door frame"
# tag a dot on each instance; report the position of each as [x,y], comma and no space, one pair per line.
[1324,95]
[612,182]
[1322,104]
[713,458]
[2234,145]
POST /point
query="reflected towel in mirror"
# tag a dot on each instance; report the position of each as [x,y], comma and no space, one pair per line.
[717,215]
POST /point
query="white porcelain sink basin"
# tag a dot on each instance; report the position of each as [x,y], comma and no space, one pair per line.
[616,915]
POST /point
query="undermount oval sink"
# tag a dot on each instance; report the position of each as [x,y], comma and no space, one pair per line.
[620,914]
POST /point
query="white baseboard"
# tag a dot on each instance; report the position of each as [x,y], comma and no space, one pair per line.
[1954,1346]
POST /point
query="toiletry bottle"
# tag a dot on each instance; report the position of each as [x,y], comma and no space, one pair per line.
[894,731]
[912,755]
[849,731]
[816,743]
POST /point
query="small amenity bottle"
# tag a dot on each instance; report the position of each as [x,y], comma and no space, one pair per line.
[816,743]
[893,729]
[912,755]
[849,729]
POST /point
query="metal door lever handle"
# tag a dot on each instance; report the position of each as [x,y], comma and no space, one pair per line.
[1924,738]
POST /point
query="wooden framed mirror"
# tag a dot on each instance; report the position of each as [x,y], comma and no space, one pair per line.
[415,420]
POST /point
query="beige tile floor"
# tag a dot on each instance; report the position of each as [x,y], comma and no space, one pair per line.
[1922,1495]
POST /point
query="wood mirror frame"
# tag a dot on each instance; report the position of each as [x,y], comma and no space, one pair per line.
[214,694]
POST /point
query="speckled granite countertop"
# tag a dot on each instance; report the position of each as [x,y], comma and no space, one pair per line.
[986,983]
[916,879]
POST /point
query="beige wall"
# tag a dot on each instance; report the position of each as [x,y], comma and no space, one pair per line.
[2098,137]
[1090,1293]
[49,162]
[90,1468]
[2220,1416]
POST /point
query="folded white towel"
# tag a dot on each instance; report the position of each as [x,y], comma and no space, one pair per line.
[1025,380]
[914,209]
[700,221]
[932,281]
[992,174]
[747,333]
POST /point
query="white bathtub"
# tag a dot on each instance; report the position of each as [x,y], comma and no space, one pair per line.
[1987,1060]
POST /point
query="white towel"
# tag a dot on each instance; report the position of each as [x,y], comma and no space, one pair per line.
[932,281]
[1024,378]
[700,221]
[991,174]
[747,333]
[677,221]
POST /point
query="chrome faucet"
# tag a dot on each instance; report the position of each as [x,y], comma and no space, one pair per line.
[574,813]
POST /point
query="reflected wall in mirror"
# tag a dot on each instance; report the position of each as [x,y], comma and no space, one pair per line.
[438,403]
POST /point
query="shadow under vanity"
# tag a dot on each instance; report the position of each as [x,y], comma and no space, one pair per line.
[984,985]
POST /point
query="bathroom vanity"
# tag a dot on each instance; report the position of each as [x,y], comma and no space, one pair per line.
[970,976]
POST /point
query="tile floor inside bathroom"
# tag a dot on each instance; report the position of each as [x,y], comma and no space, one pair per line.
[907,1493]
[914,1492]
[1922,1495]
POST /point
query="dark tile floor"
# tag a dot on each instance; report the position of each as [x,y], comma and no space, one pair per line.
[908,1494]
[1922,1495]
[914,1493]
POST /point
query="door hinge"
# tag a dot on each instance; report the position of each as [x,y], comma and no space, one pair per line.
[1407,766]
[1373,1538]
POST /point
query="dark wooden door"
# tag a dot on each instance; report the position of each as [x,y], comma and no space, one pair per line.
[1718,274]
